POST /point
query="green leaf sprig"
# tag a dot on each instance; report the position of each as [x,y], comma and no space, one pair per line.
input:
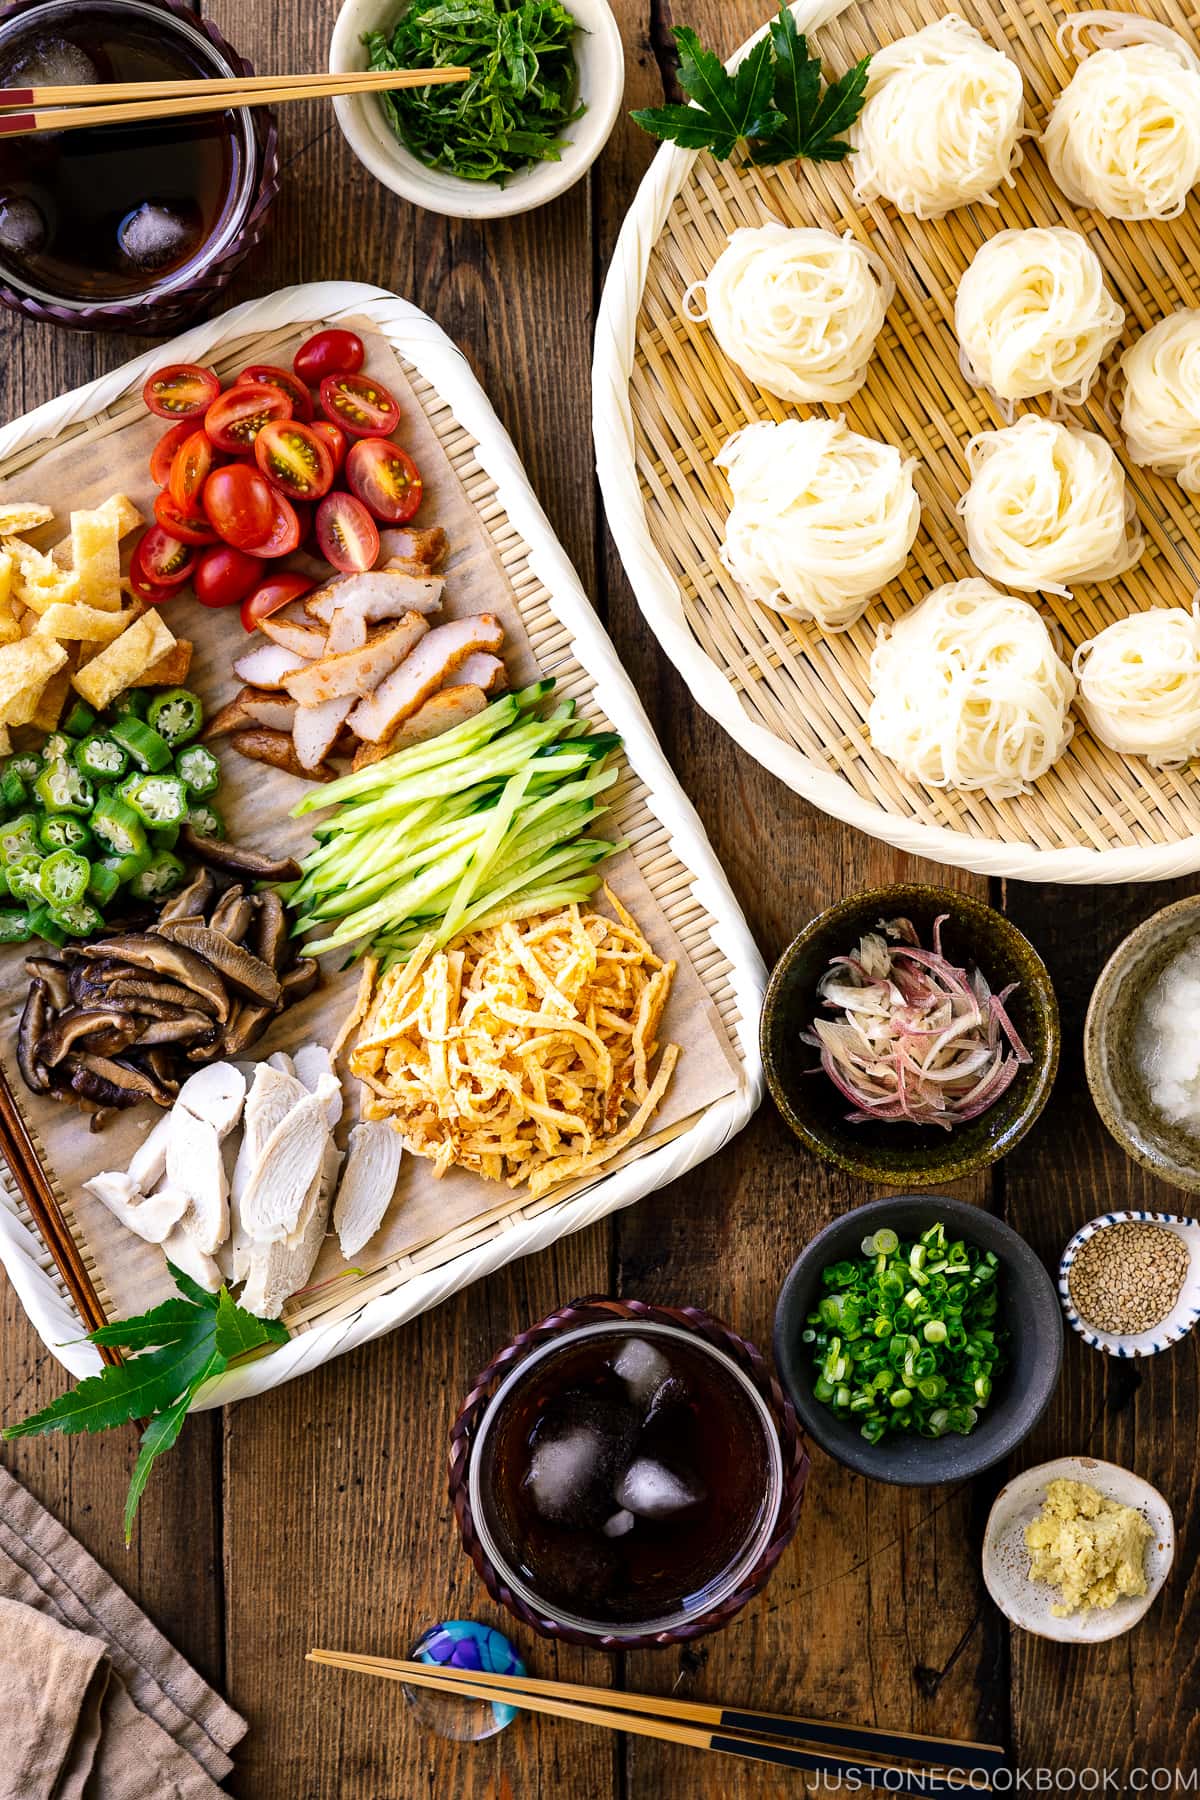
[178,1346]
[776,101]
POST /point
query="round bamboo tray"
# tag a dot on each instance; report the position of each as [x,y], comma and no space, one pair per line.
[666,398]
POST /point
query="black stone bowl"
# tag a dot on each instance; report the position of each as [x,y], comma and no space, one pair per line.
[1029,1310]
[898,1154]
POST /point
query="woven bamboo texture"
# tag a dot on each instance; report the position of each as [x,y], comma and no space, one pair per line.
[810,691]
[652,841]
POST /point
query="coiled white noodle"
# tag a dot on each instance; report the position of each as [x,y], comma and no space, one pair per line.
[1047,505]
[1033,315]
[942,123]
[1123,137]
[970,693]
[821,518]
[798,310]
[1160,413]
[1139,685]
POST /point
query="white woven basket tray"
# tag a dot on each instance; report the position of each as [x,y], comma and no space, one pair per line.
[670,844]
[665,398]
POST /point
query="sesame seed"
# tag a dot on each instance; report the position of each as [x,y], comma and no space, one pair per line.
[1126,1278]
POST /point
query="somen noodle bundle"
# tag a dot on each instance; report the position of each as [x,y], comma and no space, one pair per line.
[969,692]
[1123,137]
[798,310]
[1139,684]
[821,517]
[942,122]
[1047,505]
[1033,315]
[1160,414]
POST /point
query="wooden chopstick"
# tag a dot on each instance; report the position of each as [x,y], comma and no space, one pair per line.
[17,1148]
[692,1723]
[264,91]
[107,93]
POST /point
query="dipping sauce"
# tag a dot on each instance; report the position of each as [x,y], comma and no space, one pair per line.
[625,1474]
[101,215]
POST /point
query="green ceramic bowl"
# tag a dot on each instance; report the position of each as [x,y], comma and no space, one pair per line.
[1108,1046]
[902,1155]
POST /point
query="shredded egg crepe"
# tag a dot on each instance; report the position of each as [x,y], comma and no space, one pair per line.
[523,1052]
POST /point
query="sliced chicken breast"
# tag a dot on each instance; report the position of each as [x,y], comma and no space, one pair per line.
[148,1164]
[182,1249]
[274,1272]
[216,1093]
[422,672]
[152,1218]
[195,1167]
[358,672]
[367,1185]
[273,1201]
[314,1067]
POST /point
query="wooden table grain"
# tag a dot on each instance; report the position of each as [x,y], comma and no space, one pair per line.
[317,1514]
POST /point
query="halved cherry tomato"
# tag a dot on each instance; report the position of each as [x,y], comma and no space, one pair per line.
[180,391]
[283,533]
[271,375]
[190,469]
[360,405]
[347,534]
[295,460]
[236,417]
[189,528]
[385,478]
[163,454]
[240,505]
[330,352]
[273,593]
[223,576]
[335,437]
[160,562]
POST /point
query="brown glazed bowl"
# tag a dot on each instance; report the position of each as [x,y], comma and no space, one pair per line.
[898,1154]
[1118,1089]
[169,302]
[787,1485]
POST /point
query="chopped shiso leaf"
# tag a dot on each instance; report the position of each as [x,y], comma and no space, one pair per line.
[906,1337]
[178,1346]
[519,100]
[481,825]
[916,1039]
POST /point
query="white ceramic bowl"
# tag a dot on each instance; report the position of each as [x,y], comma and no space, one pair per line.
[1006,1560]
[601,60]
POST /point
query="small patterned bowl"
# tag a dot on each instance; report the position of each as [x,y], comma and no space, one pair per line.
[1006,1560]
[899,1155]
[1183,1315]
[1109,1033]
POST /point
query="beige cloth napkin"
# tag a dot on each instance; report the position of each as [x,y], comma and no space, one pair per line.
[95,1703]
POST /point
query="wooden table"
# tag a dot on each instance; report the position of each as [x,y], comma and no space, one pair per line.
[317,1515]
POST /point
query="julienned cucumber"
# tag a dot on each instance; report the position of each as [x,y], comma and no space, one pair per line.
[481,825]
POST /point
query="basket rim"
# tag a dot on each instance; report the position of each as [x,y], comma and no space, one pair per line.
[659,598]
[422,342]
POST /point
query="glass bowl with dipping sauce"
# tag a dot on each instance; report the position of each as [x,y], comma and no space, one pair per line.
[126,227]
[626,1475]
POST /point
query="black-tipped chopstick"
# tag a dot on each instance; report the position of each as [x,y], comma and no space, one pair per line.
[730,1731]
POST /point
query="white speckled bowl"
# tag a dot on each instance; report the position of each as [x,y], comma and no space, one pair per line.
[601,60]
[1006,1560]
[1183,1315]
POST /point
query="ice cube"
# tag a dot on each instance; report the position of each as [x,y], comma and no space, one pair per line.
[619,1524]
[652,1491]
[642,1368]
[152,236]
[49,62]
[22,227]
[564,1472]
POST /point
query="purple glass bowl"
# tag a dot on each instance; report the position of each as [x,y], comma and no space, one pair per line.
[166,305]
[745,1360]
